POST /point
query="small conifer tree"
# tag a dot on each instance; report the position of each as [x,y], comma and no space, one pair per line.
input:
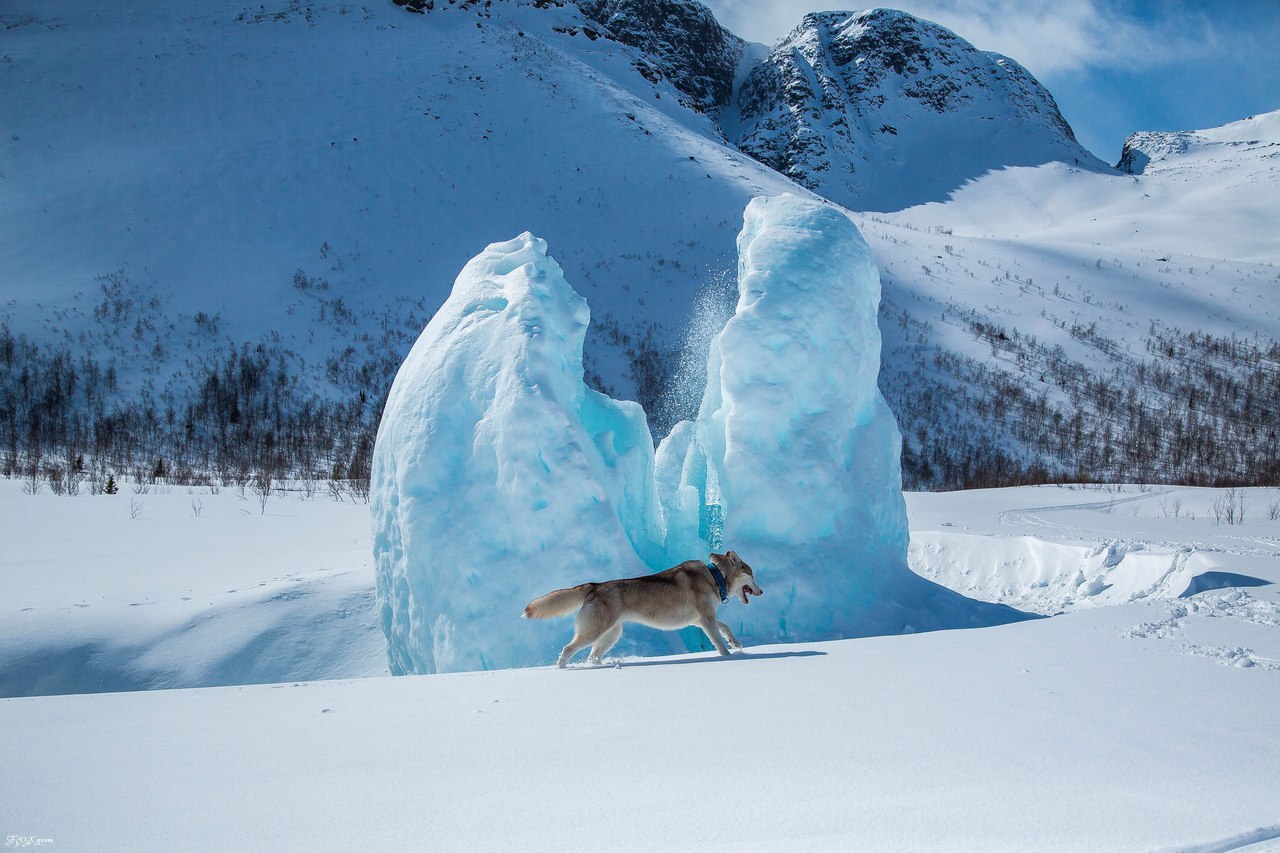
[111,488]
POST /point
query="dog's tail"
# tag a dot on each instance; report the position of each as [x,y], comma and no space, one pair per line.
[562,602]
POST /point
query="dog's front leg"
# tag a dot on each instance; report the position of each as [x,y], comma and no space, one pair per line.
[728,635]
[712,630]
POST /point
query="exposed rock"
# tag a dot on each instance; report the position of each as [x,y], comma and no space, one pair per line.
[682,39]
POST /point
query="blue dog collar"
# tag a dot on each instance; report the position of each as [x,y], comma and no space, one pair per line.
[720,584]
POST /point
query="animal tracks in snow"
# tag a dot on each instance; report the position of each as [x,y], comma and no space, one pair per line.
[1234,604]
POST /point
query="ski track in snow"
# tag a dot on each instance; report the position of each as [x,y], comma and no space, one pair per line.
[1253,840]
[1182,548]
[1028,517]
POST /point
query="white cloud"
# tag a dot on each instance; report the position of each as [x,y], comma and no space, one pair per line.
[1049,37]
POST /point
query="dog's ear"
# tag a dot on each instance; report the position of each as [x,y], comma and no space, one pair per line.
[733,557]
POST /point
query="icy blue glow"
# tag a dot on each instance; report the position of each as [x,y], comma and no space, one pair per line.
[499,476]
[794,460]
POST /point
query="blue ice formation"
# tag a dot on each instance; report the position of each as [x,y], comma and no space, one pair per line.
[498,475]
[794,460]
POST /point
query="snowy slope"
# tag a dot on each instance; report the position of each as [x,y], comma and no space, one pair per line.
[210,152]
[1254,138]
[1209,193]
[1041,297]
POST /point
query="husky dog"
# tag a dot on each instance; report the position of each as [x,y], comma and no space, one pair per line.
[688,594]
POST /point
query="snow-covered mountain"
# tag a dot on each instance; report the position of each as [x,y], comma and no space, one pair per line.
[1254,140]
[880,110]
[224,225]
[677,39]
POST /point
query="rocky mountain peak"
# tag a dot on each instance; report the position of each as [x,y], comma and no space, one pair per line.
[682,38]
[850,104]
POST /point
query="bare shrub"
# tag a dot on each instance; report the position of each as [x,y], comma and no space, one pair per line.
[262,491]
[1230,507]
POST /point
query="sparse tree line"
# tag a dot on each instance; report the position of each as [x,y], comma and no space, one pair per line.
[1197,409]
[246,415]
[245,420]
[1194,408]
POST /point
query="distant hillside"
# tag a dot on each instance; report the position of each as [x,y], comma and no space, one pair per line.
[226,223]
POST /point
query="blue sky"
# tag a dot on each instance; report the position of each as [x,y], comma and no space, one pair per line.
[1114,66]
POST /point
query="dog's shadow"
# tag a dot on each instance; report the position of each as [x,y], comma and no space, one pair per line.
[623,663]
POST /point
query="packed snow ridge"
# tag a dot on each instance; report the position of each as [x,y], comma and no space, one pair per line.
[498,475]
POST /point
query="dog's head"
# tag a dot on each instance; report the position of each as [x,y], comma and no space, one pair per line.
[740,577]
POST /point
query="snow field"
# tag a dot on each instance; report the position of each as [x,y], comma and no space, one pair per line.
[1059,734]
[1145,725]
[234,596]
[182,587]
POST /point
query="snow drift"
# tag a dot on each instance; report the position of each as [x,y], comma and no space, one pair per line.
[498,475]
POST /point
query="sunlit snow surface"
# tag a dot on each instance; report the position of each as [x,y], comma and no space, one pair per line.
[498,475]
[1149,725]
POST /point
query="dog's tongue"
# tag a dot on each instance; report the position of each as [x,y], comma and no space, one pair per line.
[743,591]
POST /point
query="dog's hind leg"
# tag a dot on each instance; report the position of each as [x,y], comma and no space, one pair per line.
[577,644]
[728,635]
[601,646]
[592,622]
